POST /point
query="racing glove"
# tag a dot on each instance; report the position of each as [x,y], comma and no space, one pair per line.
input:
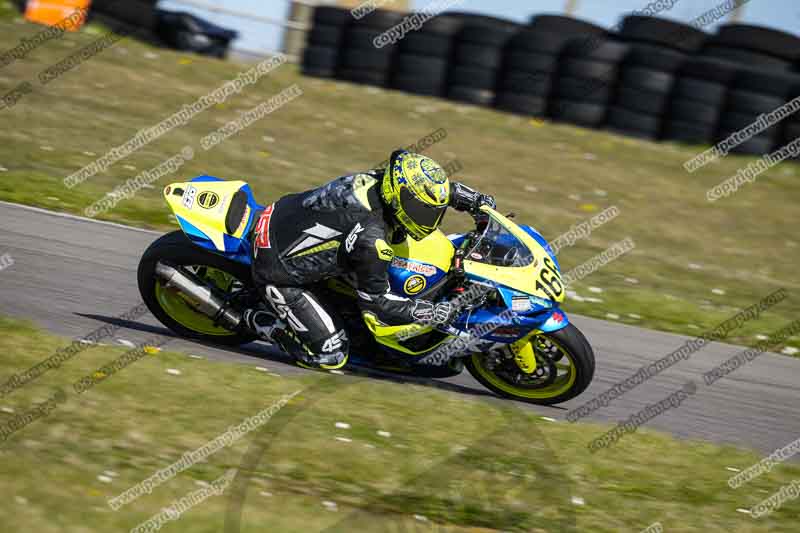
[427,312]
[463,198]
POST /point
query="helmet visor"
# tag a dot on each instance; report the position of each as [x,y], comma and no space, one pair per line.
[422,214]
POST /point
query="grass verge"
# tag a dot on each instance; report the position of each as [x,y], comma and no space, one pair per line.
[345,454]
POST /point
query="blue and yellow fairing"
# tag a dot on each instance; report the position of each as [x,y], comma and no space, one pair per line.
[201,207]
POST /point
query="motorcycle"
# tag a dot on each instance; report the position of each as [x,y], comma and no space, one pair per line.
[511,334]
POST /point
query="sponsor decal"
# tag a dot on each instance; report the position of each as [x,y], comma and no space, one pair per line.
[520,303]
[350,243]
[417,268]
[415,284]
[188,197]
[385,252]
[262,228]
[207,199]
[506,333]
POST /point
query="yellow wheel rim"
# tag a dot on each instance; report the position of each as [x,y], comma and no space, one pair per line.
[181,310]
[563,382]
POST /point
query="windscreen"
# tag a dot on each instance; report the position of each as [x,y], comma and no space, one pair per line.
[498,247]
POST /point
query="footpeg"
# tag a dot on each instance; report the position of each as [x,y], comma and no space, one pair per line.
[263,323]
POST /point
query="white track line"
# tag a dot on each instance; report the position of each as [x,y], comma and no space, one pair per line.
[79,218]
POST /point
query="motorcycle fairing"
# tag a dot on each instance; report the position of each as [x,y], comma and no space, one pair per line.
[201,207]
[520,278]
[419,265]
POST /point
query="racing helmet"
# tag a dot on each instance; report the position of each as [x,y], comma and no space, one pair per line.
[416,191]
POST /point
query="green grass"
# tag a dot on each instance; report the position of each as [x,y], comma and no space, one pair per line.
[552,176]
[462,463]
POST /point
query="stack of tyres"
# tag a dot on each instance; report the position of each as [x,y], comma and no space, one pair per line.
[698,100]
[321,55]
[754,47]
[658,50]
[477,59]
[756,106]
[567,26]
[531,62]
[424,56]
[586,81]
[367,56]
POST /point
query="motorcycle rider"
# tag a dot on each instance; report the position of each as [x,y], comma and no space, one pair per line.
[343,229]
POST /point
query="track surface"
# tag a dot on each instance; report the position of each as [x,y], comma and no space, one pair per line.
[73,275]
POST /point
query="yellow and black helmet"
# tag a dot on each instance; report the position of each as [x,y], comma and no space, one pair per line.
[416,190]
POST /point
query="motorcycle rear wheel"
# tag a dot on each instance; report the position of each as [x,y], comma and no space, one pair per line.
[567,351]
[175,311]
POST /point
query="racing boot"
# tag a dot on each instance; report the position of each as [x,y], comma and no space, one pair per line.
[303,357]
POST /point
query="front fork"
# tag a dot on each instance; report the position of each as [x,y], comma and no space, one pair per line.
[523,352]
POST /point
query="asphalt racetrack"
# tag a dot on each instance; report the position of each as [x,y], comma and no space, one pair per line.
[72,276]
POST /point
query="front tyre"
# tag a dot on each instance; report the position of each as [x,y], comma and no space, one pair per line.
[564,368]
[171,307]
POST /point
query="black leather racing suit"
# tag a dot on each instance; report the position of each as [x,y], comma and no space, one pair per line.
[339,229]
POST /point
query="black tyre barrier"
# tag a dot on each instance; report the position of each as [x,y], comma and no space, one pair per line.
[747,58]
[662,32]
[320,61]
[733,121]
[422,86]
[380,19]
[366,77]
[689,132]
[747,101]
[631,123]
[470,95]
[697,113]
[541,41]
[642,101]
[656,78]
[526,83]
[648,79]
[332,16]
[655,57]
[375,59]
[331,36]
[693,89]
[524,104]
[758,145]
[583,89]
[530,62]
[477,55]
[421,66]
[578,112]
[427,44]
[759,39]
[773,83]
[709,69]
[474,77]
[582,68]
[566,25]
[490,36]
[606,50]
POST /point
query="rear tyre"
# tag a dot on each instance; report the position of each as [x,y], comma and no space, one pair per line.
[566,349]
[168,305]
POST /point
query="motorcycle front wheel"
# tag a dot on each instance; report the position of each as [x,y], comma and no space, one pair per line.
[564,368]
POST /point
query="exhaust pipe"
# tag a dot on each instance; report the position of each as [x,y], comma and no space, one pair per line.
[201,294]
